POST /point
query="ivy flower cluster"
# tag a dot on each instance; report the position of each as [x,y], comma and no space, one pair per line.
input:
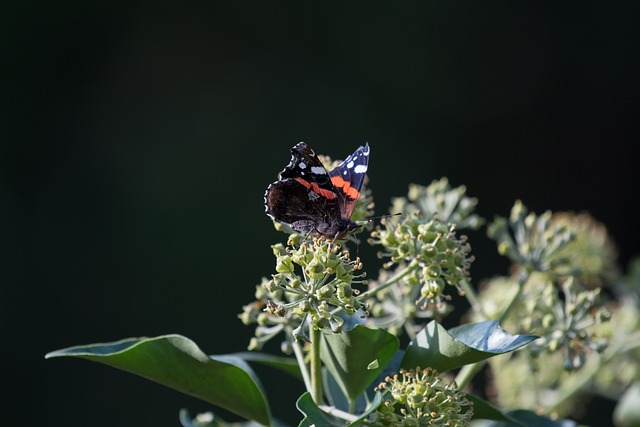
[537,377]
[557,298]
[432,252]
[317,278]
[269,325]
[440,201]
[421,398]
[561,312]
[591,252]
[531,241]
[427,254]
[561,260]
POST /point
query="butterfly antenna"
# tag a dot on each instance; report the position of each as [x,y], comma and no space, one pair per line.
[366,220]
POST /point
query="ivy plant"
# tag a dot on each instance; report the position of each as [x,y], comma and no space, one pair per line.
[371,349]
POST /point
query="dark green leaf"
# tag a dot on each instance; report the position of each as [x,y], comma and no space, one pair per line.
[176,362]
[348,357]
[483,410]
[435,347]
[314,416]
[288,365]
[377,400]
[333,393]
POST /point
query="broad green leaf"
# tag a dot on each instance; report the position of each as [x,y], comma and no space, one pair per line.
[349,356]
[336,397]
[483,410]
[377,400]
[314,416]
[288,365]
[526,418]
[334,394]
[178,363]
[627,412]
[489,337]
[443,350]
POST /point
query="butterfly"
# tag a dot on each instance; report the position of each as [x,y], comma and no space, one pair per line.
[309,199]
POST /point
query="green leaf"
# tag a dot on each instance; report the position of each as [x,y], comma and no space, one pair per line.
[377,400]
[483,410]
[349,356]
[314,416]
[526,418]
[444,350]
[334,394]
[287,365]
[177,362]
[489,337]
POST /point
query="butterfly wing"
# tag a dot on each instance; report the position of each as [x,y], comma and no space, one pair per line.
[347,179]
[304,196]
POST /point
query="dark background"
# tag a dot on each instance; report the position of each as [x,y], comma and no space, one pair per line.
[137,141]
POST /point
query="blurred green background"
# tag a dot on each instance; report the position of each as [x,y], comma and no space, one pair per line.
[137,140]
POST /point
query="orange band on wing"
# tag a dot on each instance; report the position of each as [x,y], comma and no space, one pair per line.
[307,184]
[350,191]
[327,194]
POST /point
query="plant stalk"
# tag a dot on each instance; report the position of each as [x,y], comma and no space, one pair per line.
[389,282]
[473,299]
[467,372]
[316,373]
[303,366]
[522,279]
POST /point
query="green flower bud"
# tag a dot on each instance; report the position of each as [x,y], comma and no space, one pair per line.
[263,319]
[325,291]
[254,344]
[315,269]
[284,265]
[344,291]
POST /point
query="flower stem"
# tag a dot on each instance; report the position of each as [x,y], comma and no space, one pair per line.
[472,297]
[303,366]
[522,279]
[338,413]
[389,282]
[316,373]
[467,373]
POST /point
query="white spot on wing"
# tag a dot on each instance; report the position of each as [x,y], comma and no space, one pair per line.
[360,169]
[318,170]
[350,164]
[302,165]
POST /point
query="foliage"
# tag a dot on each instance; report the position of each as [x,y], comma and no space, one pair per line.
[374,353]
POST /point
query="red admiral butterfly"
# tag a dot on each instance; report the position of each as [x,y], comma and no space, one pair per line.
[309,199]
